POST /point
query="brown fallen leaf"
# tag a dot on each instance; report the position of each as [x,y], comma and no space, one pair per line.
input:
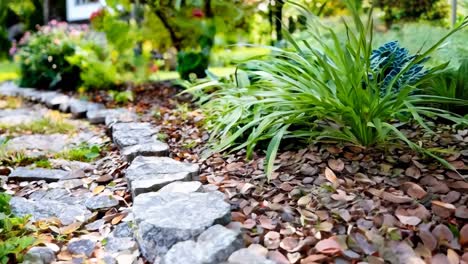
[453,256]
[442,209]
[396,198]
[408,220]
[98,189]
[272,240]
[249,224]
[289,243]
[413,172]
[464,236]
[328,246]
[442,233]
[317,258]
[331,177]
[414,190]
[70,228]
[277,257]
[440,259]
[336,165]
[428,239]
[462,212]
[117,219]
[266,222]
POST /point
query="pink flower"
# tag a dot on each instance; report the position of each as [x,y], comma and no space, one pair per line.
[198,13]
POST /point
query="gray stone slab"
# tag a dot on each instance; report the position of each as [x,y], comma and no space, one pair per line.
[133,133]
[123,117]
[46,95]
[37,174]
[101,202]
[39,255]
[8,89]
[12,117]
[245,255]
[146,174]
[44,208]
[79,108]
[152,148]
[183,187]
[41,143]
[164,219]
[57,100]
[99,116]
[81,247]
[213,246]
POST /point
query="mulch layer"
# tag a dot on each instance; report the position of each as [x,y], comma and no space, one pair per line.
[329,203]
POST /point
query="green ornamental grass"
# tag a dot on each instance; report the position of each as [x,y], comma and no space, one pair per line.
[322,90]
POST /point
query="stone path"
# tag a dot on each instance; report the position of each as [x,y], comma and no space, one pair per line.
[173,219]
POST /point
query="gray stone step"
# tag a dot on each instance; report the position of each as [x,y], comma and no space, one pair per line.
[99,116]
[164,219]
[48,175]
[147,174]
[79,108]
[45,208]
[137,139]
[213,246]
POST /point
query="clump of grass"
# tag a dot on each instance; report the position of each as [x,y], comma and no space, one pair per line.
[84,153]
[43,163]
[44,125]
[9,102]
[13,158]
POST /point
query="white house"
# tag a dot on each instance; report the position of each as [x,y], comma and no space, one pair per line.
[82,9]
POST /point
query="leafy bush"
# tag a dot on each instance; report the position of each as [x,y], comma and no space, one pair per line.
[14,234]
[43,61]
[192,63]
[121,97]
[452,83]
[329,92]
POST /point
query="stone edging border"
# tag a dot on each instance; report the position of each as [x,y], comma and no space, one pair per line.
[175,221]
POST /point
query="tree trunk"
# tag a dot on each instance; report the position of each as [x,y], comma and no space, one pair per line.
[46,10]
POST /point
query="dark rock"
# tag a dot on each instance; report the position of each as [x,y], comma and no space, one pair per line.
[164,219]
[81,247]
[213,246]
[147,174]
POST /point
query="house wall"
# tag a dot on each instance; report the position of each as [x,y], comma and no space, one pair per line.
[78,10]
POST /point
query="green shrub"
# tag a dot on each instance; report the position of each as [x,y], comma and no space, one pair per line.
[192,63]
[42,58]
[452,83]
[15,237]
[327,91]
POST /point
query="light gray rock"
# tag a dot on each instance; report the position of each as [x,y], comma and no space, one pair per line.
[95,225]
[9,89]
[71,165]
[123,229]
[37,174]
[183,187]
[137,139]
[46,96]
[38,143]
[122,117]
[43,209]
[147,174]
[99,116]
[48,175]
[39,255]
[67,184]
[61,195]
[57,100]
[79,108]
[116,244]
[13,117]
[164,219]
[213,246]
[245,255]
[101,202]
[81,247]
